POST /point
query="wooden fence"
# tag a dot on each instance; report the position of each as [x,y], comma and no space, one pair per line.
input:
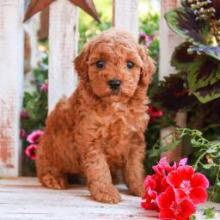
[63,40]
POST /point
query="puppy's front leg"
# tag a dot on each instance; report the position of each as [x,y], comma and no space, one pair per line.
[99,178]
[134,169]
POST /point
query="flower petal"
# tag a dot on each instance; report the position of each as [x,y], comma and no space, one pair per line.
[165,199]
[199,180]
[187,208]
[185,172]
[166,214]
[180,195]
[198,195]
[173,179]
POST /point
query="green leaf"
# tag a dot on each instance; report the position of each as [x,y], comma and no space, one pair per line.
[192,217]
[203,78]
[209,212]
[207,166]
[181,58]
[182,21]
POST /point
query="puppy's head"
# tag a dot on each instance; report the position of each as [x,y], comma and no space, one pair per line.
[114,66]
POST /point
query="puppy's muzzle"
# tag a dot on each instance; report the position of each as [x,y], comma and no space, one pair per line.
[114,84]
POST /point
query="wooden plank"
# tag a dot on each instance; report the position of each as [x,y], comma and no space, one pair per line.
[168,41]
[24,199]
[63,46]
[11,84]
[125,15]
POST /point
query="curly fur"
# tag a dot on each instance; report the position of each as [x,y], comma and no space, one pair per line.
[96,132]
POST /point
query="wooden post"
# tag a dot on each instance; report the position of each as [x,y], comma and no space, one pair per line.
[11,84]
[168,41]
[125,15]
[63,46]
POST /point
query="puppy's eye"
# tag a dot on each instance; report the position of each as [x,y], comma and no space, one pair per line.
[100,64]
[130,64]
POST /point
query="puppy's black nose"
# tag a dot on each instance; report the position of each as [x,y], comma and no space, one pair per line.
[114,84]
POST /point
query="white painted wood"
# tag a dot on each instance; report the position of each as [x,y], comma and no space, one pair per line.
[11,84]
[63,46]
[168,40]
[125,15]
[25,199]
[31,28]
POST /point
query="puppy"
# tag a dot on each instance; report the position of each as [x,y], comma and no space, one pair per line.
[99,129]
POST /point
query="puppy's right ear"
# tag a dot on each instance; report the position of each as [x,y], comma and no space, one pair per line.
[81,63]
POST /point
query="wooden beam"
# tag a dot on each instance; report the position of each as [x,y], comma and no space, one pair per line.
[168,41]
[63,46]
[125,15]
[11,84]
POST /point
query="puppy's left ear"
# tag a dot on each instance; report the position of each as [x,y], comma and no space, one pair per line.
[81,64]
[148,67]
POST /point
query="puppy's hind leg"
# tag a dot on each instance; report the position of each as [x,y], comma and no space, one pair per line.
[50,176]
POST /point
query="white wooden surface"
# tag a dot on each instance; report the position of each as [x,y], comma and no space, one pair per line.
[125,15]
[11,84]
[62,46]
[24,199]
[168,39]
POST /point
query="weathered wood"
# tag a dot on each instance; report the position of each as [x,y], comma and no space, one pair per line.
[11,84]
[63,46]
[125,15]
[25,199]
[168,41]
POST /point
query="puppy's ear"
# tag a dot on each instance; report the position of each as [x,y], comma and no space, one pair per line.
[148,67]
[81,64]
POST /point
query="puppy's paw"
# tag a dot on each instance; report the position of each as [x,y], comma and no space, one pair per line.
[106,194]
[54,182]
[136,190]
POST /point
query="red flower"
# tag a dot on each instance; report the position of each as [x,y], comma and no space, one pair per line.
[188,184]
[175,190]
[154,112]
[34,137]
[24,115]
[30,151]
[149,200]
[170,209]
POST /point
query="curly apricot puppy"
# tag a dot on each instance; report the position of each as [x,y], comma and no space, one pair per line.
[100,127]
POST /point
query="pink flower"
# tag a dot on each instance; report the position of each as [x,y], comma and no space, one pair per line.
[34,137]
[170,209]
[30,151]
[188,184]
[23,133]
[44,87]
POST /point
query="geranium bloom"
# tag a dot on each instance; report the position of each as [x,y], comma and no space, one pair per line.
[174,190]
[30,151]
[187,183]
[154,113]
[170,209]
[34,137]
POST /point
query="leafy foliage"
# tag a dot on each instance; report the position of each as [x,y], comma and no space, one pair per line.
[199,55]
